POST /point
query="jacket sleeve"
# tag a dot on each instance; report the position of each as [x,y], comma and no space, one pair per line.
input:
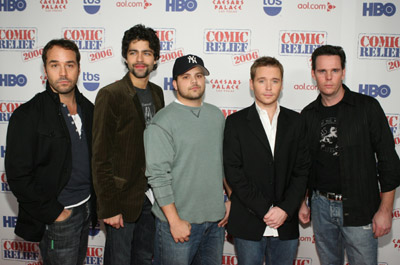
[296,190]
[19,164]
[158,145]
[104,131]
[384,147]
[247,192]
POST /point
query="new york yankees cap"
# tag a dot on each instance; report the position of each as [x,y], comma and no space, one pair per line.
[187,62]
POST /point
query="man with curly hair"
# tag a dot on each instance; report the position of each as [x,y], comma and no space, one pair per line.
[123,109]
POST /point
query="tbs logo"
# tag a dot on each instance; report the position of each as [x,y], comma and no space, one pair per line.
[90,81]
[378,9]
[180,5]
[4,183]
[91,6]
[12,5]
[272,7]
[373,90]
[11,80]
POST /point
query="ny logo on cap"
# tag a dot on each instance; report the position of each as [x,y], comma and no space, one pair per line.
[192,59]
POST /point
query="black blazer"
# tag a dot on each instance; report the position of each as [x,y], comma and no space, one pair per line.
[257,178]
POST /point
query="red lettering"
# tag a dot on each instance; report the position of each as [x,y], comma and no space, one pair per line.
[83,34]
[17,34]
[380,41]
[165,35]
[303,38]
[227,36]
[8,107]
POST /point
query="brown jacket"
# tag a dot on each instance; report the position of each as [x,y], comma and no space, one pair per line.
[118,160]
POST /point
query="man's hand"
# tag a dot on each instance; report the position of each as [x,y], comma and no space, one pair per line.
[63,215]
[381,223]
[116,221]
[180,230]
[304,213]
[224,221]
[275,217]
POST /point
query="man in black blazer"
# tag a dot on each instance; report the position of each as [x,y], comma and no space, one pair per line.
[266,163]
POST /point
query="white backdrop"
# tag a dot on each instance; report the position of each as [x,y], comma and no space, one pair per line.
[228,35]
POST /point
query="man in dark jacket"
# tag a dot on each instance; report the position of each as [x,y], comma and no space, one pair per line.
[48,160]
[266,164]
[355,168]
[121,113]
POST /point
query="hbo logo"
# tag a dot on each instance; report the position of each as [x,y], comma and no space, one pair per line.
[180,5]
[374,90]
[12,5]
[378,9]
[13,80]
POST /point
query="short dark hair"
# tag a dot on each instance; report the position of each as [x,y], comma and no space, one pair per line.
[63,43]
[329,50]
[140,32]
[265,61]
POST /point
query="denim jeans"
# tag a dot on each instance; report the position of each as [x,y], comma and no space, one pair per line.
[65,242]
[332,238]
[205,245]
[275,251]
[132,244]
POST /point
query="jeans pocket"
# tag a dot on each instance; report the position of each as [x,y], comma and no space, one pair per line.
[66,219]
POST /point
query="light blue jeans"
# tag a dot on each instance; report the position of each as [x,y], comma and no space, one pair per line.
[205,245]
[275,251]
[332,238]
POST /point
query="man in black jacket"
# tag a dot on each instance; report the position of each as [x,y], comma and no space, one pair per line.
[48,160]
[355,168]
[266,164]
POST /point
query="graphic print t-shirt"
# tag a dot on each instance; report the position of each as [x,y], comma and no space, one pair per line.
[327,164]
[146,100]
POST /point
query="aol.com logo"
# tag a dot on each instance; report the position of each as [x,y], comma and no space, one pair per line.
[180,5]
[12,5]
[378,9]
[373,90]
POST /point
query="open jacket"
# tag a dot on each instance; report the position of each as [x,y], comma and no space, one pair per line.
[118,161]
[260,179]
[38,159]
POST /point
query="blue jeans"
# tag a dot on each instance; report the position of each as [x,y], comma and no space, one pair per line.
[65,242]
[132,244]
[205,245]
[275,251]
[332,238]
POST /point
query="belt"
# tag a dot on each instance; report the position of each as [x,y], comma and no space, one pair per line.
[331,195]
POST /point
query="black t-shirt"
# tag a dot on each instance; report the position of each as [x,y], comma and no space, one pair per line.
[327,164]
[146,100]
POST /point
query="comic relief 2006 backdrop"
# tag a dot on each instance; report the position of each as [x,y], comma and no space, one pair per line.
[229,35]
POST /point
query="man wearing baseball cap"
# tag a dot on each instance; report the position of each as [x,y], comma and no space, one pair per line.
[183,146]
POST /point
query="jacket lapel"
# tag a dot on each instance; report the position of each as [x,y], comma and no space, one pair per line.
[257,128]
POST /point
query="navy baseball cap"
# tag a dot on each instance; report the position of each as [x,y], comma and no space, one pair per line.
[187,62]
